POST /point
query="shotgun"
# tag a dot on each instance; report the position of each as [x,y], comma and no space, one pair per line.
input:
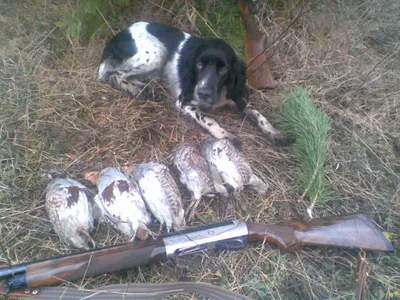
[346,231]
[258,72]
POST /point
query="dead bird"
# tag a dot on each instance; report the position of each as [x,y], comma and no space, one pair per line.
[120,203]
[161,193]
[70,212]
[194,173]
[230,171]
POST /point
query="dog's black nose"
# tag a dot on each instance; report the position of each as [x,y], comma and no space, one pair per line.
[204,94]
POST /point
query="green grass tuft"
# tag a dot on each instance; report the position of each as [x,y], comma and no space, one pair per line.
[87,19]
[311,129]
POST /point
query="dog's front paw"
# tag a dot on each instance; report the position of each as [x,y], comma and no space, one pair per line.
[280,139]
[122,85]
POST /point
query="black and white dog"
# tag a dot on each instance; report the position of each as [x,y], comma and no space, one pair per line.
[198,72]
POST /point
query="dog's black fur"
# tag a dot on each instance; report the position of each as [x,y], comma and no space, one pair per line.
[199,73]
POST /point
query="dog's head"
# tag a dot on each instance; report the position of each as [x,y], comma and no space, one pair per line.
[214,67]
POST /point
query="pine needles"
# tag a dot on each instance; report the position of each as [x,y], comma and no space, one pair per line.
[311,129]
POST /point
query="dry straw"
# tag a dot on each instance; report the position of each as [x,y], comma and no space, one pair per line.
[56,119]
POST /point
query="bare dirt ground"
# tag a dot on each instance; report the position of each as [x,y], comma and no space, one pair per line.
[56,119]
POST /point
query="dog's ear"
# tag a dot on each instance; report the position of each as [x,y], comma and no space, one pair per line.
[236,85]
[188,72]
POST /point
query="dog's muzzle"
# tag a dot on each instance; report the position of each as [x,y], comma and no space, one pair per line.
[205,98]
[205,95]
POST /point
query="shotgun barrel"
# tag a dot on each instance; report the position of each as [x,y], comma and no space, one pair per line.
[347,231]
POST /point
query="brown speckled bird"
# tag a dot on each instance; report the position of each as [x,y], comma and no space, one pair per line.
[161,193]
[194,173]
[121,205]
[229,168]
[70,212]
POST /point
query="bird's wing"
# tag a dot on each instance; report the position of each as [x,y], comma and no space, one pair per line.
[227,167]
[202,164]
[152,192]
[172,195]
[205,171]
[104,211]
[138,202]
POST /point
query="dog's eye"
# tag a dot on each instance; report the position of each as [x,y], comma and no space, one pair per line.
[223,70]
[199,64]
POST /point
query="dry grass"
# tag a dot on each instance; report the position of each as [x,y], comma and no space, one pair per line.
[56,119]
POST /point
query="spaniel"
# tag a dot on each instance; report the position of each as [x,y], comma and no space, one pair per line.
[199,73]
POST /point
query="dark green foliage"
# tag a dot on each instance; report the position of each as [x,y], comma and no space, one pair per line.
[86,19]
[311,129]
[222,18]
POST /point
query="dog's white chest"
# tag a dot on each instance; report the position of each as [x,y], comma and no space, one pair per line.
[171,72]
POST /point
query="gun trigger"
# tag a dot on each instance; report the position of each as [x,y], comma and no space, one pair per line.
[232,244]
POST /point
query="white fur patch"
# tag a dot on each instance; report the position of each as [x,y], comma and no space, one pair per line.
[150,56]
[102,70]
[262,123]
[207,123]
[171,70]
[151,52]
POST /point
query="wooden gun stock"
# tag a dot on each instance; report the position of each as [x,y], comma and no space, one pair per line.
[346,231]
[258,72]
